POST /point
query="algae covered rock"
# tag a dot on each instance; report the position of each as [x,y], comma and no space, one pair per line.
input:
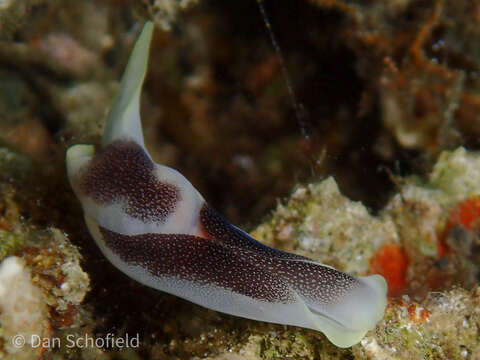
[321,223]
[413,242]
[442,326]
[457,174]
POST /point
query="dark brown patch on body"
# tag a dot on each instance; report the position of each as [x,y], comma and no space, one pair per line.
[219,228]
[201,261]
[124,172]
[310,279]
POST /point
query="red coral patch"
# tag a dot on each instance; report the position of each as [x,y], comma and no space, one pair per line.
[467,213]
[391,261]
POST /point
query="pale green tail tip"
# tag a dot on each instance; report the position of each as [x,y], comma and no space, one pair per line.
[124,119]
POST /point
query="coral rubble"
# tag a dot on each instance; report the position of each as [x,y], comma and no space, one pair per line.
[23,311]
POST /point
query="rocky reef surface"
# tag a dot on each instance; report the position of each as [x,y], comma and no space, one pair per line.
[380,174]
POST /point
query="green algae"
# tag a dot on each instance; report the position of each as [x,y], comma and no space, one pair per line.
[10,243]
